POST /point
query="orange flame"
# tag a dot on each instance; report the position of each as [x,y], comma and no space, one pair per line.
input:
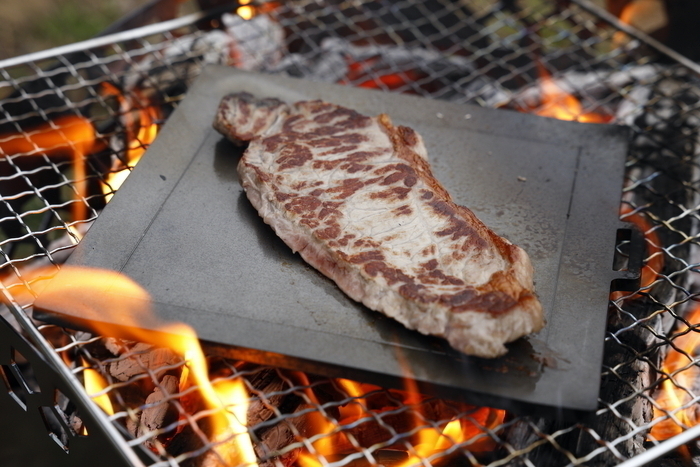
[141,129]
[679,365]
[67,136]
[431,440]
[75,137]
[94,385]
[557,103]
[324,445]
[86,289]
[646,15]
[469,430]
[233,397]
[356,409]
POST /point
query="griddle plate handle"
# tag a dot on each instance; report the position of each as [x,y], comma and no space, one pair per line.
[630,251]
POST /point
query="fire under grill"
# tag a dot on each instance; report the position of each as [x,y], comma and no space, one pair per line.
[75,120]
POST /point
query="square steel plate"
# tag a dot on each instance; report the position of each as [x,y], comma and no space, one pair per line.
[182,227]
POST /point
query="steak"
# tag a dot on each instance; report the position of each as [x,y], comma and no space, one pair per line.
[355,197]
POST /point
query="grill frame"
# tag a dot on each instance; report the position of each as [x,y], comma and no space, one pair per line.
[638,195]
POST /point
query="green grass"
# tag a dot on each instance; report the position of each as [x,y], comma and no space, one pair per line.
[74,20]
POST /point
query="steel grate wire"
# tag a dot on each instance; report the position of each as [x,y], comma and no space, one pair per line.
[489,53]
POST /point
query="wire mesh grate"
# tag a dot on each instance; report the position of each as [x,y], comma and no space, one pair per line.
[73,124]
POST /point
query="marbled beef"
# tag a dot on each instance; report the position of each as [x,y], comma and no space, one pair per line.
[355,196]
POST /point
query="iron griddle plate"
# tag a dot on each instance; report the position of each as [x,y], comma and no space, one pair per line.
[182,227]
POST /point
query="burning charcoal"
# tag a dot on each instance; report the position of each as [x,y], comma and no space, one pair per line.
[272,438]
[158,412]
[142,358]
[261,409]
[280,436]
[117,346]
[133,422]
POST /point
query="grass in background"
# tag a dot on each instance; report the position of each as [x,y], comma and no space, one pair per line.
[32,25]
[74,20]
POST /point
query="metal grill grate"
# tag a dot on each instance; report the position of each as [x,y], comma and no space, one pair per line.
[72,117]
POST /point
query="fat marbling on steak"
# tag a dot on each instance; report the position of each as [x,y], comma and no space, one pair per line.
[355,196]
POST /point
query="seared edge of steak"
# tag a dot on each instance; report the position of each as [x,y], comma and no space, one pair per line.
[241,116]
[477,316]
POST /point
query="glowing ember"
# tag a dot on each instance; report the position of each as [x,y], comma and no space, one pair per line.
[363,74]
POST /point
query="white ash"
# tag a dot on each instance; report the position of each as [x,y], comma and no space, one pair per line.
[257,43]
[332,64]
[633,106]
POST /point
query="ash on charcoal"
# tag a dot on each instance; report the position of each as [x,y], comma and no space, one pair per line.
[255,44]
[341,61]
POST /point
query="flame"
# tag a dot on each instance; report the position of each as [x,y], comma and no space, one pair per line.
[75,137]
[431,440]
[428,441]
[450,435]
[70,135]
[645,15]
[472,429]
[354,410]
[87,289]
[141,129]
[557,103]
[324,445]
[246,11]
[233,396]
[426,437]
[94,384]
[679,365]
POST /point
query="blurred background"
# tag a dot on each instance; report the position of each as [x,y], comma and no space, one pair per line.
[31,25]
